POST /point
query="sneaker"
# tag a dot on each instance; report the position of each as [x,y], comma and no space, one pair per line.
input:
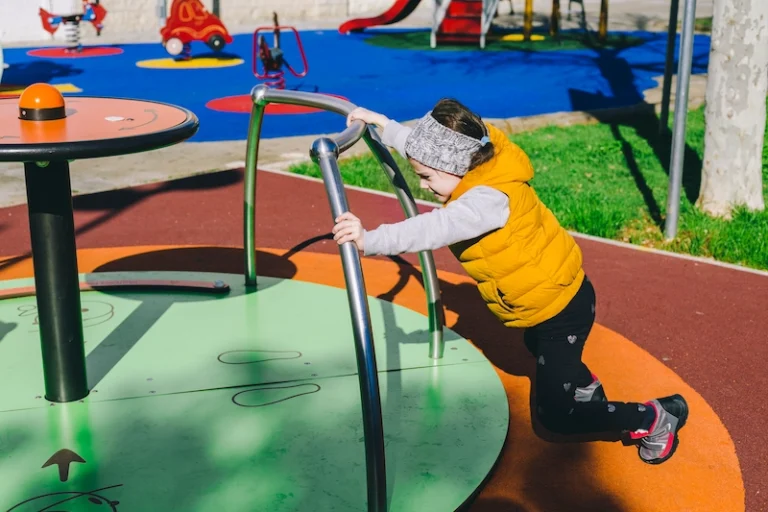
[659,443]
[592,393]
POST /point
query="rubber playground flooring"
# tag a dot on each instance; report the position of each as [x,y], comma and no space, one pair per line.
[268,408]
[404,82]
[666,325]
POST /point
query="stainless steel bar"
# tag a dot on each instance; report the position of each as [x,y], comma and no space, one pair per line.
[666,90]
[261,96]
[427,260]
[681,115]
[324,153]
[249,191]
[345,140]
[262,93]
[350,136]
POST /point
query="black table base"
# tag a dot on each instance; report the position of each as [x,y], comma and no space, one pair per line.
[57,288]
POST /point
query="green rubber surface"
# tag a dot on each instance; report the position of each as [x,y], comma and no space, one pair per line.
[206,402]
[172,343]
[568,40]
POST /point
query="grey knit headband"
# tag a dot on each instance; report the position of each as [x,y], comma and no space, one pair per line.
[441,148]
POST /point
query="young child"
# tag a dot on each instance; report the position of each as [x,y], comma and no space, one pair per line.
[528,268]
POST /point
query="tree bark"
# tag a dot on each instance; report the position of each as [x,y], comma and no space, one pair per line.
[737,84]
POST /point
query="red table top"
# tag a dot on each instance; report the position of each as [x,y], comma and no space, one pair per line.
[89,119]
[103,126]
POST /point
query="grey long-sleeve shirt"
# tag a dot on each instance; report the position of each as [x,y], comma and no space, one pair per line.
[478,211]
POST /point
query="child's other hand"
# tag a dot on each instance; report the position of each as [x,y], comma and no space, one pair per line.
[368,117]
[348,228]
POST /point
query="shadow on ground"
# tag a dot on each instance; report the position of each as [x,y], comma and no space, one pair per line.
[501,345]
[112,203]
[619,75]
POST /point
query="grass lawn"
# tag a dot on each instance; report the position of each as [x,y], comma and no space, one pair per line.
[704,24]
[609,180]
[567,40]
[701,24]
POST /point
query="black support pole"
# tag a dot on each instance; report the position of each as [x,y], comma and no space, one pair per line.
[669,63]
[216,8]
[57,288]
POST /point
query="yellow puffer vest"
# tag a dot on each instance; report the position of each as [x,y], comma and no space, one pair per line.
[528,270]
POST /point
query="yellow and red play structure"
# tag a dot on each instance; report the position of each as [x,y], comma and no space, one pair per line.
[190,21]
[467,21]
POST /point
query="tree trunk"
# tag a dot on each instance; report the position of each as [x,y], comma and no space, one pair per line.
[737,84]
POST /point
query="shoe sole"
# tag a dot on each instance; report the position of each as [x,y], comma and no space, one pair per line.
[681,423]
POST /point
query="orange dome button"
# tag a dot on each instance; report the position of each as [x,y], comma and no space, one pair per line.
[41,102]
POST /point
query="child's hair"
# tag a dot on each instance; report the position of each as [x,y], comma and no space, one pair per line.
[452,114]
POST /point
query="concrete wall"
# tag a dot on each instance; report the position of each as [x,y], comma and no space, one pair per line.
[20,22]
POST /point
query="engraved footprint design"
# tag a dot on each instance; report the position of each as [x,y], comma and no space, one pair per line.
[256,356]
[270,395]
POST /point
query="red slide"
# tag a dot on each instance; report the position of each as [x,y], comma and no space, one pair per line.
[399,11]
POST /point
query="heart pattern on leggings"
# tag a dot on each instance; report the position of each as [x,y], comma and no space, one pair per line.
[567,386]
[571,339]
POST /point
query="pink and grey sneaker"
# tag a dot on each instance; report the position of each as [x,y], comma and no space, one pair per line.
[659,442]
[592,393]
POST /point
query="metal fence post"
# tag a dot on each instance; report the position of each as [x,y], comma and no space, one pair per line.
[681,115]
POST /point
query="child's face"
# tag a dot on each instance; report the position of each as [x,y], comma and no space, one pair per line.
[441,184]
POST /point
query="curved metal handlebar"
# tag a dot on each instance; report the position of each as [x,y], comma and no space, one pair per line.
[344,140]
[325,152]
[261,96]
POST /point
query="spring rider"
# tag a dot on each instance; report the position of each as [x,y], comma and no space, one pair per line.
[189,21]
[273,59]
[81,10]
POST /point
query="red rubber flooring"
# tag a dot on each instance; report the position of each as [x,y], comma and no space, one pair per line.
[707,323]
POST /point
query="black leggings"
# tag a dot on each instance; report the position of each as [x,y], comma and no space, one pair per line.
[558,344]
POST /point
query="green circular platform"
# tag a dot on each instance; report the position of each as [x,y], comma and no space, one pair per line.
[242,401]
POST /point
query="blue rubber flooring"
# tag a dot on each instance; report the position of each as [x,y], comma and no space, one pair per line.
[402,83]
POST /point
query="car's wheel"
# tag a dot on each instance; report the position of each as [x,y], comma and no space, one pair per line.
[216,43]
[174,46]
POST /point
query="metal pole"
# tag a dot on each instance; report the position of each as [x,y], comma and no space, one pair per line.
[162,11]
[528,20]
[324,153]
[216,8]
[57,287]
[249,189]
[681,113]
[554,26]
[426,258]
[263,95]
[603,27]
[668,66]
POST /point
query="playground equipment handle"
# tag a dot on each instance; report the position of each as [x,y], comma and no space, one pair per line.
[262,95]
[325,152]
[429,271]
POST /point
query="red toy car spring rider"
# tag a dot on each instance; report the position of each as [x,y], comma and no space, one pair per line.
[190,21]
[273,59]
[93,12]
